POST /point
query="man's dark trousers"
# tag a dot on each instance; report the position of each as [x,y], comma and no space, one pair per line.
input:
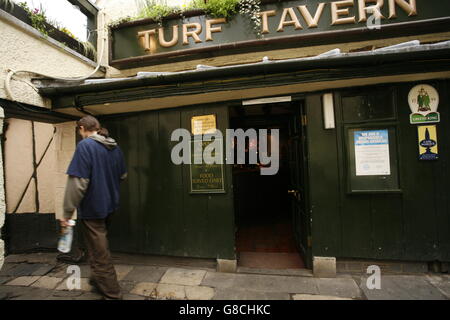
[102,270]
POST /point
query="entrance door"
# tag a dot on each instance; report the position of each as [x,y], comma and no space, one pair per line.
[269,210]
[298,181]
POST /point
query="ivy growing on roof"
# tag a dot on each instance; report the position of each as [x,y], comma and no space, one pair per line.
[157,10]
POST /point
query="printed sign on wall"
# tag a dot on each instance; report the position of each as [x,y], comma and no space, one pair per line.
[424,101]
[428,147]
[203,124]
[372,153]
[206,178]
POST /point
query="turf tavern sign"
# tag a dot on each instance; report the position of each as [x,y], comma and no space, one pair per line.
[282,19]
[340,14]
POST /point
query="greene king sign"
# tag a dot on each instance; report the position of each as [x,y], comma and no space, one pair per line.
[286,19]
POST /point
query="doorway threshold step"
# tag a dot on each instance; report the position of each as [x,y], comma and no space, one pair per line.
[270,260]
[276,272]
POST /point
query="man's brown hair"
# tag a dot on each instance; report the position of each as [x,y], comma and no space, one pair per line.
[90,123]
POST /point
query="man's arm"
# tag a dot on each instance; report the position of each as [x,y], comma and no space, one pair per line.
[75,189]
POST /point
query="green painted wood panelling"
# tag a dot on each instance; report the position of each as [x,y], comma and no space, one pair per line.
[323,182]
[412,224]
[158,215]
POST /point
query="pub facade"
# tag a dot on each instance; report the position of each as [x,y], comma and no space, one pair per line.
[358,93]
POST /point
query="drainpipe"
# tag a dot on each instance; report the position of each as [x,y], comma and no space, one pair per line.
[2,190]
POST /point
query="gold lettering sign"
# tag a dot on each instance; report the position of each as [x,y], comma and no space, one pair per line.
[203,124]
[342,12]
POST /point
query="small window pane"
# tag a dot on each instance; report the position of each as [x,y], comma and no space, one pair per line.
[374,105]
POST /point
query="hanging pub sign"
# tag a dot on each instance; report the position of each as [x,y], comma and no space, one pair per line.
[428,147]
[278,22]
[424,101]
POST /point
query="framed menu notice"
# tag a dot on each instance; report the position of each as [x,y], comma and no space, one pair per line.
[372,153]
[372,159]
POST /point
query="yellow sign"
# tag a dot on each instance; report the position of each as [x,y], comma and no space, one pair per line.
[203,124]
[428,145]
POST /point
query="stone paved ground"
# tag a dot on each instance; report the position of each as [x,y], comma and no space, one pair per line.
[41,277]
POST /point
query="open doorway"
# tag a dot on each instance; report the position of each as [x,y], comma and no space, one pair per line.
[270,209]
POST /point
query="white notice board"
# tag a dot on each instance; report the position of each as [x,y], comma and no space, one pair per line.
[372,153]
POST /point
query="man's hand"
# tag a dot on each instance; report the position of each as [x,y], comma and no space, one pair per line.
[64,222]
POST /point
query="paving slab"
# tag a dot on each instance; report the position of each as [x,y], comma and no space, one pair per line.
[89,296]
[53,298]
[4,279]
[316,297]
[401,287]
[170,292]
[84,285]
[67,294]
[6,269]
[442,283]
[122,270]
[9,292]
[338,287]
[238,294]
[199,293]
[33,294]
[262,283]
[145,274]
[127,286]
[25,269]
[185,277]
[37,257]
[128,296]
[147,289]
[22,269]
[24,281]
[43,269]
[59,271]
[46,282]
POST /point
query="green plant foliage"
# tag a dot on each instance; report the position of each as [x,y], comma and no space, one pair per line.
[252,10]
[37,16]
[40,22]
[122,20]
[89,49]
[216,8]
[156,10]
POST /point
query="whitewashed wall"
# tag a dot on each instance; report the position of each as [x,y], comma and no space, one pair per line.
[19,166]
[24,48]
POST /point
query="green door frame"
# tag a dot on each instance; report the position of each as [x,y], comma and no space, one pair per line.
[301,101]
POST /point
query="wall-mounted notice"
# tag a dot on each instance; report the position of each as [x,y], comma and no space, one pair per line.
[203,124]
[206,178]
[372,153]
[428,145]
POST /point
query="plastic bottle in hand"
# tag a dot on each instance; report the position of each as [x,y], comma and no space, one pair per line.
[65,241]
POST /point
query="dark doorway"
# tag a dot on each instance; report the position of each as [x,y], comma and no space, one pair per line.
[268,208]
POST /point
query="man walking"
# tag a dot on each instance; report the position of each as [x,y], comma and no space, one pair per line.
[92,188]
